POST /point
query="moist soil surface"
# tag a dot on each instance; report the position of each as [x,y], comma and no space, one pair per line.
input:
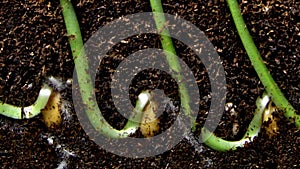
[34,46]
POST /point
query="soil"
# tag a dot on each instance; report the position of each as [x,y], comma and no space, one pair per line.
[34,46]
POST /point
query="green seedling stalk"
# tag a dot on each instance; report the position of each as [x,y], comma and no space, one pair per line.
[220,144]
[29,111]
[85,81]
[263,73]
[171,56]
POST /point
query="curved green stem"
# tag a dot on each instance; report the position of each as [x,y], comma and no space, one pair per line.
[85,82]
[220,144]
[29,111]
[263,73]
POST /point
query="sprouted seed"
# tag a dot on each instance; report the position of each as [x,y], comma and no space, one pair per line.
[48,102]
[271,126]
[51,113]
[150,123]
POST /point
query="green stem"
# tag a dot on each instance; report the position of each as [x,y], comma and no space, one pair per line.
[220,144]
[263,73]
[171,56]
[85,81]
[29,111]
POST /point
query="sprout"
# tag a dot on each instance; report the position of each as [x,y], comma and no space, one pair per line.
[220,144]
[29,111]
[263,73]
[85,82]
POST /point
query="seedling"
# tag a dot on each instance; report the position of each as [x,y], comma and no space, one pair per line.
[263,73]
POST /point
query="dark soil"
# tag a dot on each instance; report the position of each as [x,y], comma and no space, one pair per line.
[33,46]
